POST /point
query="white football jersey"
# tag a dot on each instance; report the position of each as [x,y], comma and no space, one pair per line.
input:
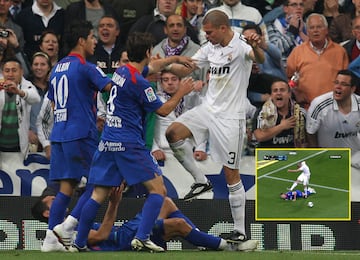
[230,69]
[333,128]
[305,169]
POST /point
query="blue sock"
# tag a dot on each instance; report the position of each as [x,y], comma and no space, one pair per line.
[58,209]
[87,218]
[179,214]
[199,238]
[150,212]
[76,212]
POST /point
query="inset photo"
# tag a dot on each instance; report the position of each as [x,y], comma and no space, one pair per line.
[303,184]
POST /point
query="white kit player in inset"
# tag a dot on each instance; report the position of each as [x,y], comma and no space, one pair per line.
[303,178]
[220,118]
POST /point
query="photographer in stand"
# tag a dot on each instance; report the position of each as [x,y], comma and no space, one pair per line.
[16,97]
[10,48]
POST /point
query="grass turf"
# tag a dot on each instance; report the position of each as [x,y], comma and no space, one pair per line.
[184,255]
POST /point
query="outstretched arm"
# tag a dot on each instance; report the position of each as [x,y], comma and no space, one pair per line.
[158,64]
[297,170]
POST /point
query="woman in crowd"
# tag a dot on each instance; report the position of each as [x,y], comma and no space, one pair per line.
[49,43]
[40,68]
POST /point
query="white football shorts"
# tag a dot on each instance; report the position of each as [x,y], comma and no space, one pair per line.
[225,136]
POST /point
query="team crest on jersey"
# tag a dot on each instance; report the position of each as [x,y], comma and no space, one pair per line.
[229,58]
[150,94]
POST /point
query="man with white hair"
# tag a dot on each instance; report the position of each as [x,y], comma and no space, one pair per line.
[303,178]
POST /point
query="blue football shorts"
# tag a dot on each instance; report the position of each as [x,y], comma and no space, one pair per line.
[71,160]
[113,162]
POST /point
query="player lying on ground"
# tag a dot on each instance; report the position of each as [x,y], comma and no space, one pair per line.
[293,195]
[170,223]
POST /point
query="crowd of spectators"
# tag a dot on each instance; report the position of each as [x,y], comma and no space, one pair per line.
[312,39]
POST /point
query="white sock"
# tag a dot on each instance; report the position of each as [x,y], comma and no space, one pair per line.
[293,186]
[223,244]
[70,223]
[184,154]
[50,237]
[237,206]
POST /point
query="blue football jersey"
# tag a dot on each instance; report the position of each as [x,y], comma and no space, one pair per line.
[74,84]
[130,99]
[120,236]
[299,194]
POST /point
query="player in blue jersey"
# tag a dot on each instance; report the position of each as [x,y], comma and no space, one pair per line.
[293,195]
[121,153]
[170,223]
[73,89]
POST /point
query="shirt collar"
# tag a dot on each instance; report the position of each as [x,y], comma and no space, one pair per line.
[159,15]
[36,9]
[354,104]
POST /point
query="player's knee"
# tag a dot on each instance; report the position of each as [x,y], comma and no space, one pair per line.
[183,227]
[171,135]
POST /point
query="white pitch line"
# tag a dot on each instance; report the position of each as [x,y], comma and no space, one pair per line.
[284,167]
[310,184]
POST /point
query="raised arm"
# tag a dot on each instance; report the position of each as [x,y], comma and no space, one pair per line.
[97,236]
[257,54]
[186,86]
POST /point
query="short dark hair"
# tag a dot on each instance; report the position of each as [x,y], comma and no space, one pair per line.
[111,17]
[354,79]
[252,26]
[38,209]
[176,15]
[138,44]
[76,30]
[278,79]
[12,59]
[216,18]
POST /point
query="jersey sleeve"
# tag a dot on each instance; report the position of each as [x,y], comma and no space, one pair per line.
[151,101]
[201,56]
[312,121]
[97,77]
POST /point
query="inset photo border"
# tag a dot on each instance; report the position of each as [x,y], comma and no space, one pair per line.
[328,192]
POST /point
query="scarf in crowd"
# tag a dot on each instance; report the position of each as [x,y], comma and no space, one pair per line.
[170,51]
[286,25]
[269,116]
[179,109]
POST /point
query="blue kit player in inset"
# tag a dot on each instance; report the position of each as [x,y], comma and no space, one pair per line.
[293,195]
[74,84]
[122,154]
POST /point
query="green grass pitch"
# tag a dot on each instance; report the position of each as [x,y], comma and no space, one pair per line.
[184,255]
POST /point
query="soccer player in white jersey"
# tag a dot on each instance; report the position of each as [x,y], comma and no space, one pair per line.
[303,178]
[221,116]
[333,119]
